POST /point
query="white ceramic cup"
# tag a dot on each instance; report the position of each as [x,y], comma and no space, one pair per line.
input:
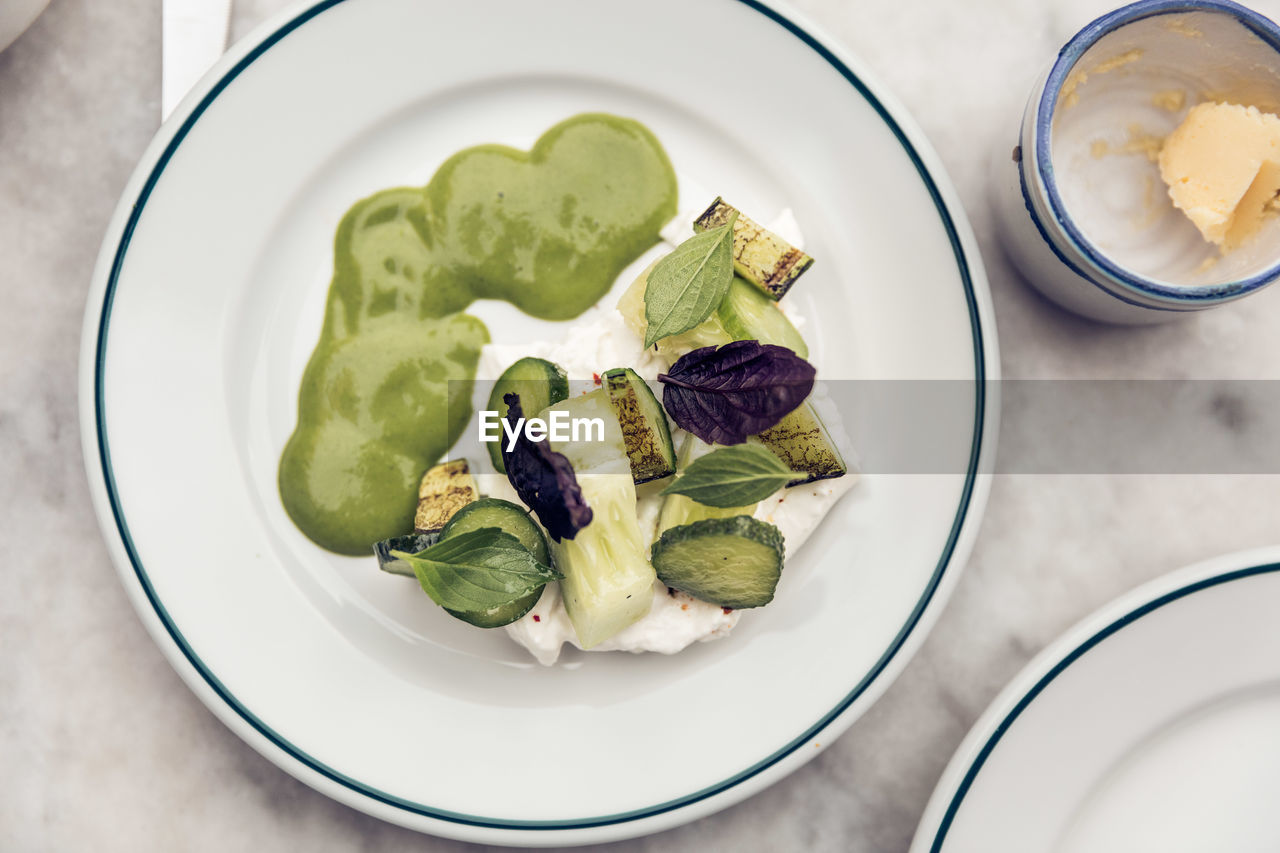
[1079,202]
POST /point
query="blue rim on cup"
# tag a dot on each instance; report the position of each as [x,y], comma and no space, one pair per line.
[1137,298]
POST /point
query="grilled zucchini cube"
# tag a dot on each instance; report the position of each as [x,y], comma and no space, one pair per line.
[760,256]
[445,489]
[802,441]
[643,421]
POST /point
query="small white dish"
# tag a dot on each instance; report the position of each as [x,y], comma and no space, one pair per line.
[207,301]
[1149,726]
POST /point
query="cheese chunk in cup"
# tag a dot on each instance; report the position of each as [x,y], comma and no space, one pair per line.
[1222,166]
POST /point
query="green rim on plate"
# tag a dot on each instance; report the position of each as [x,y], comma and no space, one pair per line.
[330,773]
[989,745]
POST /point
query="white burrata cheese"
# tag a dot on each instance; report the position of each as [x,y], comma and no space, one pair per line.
[587,349]
[675,620]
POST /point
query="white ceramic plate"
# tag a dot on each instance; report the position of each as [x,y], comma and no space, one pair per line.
[1150,726]
[207,300]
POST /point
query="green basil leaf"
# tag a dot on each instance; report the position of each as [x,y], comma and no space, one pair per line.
[733,476]
[688,284]
[478,570]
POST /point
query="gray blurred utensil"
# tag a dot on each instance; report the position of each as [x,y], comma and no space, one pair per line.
[195,35]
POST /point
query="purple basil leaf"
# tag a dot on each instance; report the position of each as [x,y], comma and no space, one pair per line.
[544,480]
[741,389]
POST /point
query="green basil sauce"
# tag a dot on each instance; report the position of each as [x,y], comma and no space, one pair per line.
[388,388]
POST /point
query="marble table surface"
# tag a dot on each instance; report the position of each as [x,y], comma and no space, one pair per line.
[103,748]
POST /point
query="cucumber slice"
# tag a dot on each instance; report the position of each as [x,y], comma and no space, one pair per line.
[802,441]
[504,515]
[485,512]
[707,333]
[608,582]
[748,314]
[539,383]
[411,544]
[499,616]
[444,489]
[734,562]
[679,509]
[761,257]
[495,512]
[600,449]
[643,421]
[631,302]
[745,314]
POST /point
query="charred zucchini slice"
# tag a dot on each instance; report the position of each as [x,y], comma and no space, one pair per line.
[734,562]
[760,256]
[802,442]
[445,489]
[411,544]
[644,425]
